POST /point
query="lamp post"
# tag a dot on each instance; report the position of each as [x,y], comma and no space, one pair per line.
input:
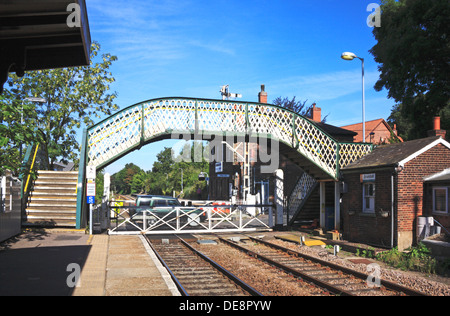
[351,56]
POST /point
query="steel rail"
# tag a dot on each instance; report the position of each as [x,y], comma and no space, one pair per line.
[245,287]
[295,272]
[180,287]
[387,284]
[222,270]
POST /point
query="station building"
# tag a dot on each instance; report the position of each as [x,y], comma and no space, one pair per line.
[390,188]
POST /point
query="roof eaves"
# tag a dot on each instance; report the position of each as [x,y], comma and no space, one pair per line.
[389,166]
[444,175]
[424,149]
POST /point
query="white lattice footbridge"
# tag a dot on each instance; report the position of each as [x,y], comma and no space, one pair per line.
[163,118]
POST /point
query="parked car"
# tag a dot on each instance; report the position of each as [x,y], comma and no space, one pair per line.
[165,207]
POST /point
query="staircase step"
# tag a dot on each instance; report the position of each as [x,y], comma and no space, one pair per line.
[53,184]
[55,215]
[51,208]
[62,199]
[52,204]
[53,200]
[49,187]
[57,173]
[49,194]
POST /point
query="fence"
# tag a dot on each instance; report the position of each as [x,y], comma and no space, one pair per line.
[10,206]
[204,219]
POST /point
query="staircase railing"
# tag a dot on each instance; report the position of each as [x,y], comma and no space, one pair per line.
[27,173]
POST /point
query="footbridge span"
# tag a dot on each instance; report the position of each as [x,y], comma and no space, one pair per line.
[166,118]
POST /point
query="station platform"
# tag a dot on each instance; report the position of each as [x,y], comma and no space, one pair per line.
[47,262]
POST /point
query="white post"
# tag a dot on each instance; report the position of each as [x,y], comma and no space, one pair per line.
[144,222]
[106,186]
[106,218]
[3,196]
[91,206]
[337,206]
[271,217]
[279,197]
[363,102]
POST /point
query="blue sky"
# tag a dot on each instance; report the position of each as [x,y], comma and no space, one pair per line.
[191,48]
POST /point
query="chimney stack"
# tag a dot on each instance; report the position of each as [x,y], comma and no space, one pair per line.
[437,131]
[262,96]
[316,114]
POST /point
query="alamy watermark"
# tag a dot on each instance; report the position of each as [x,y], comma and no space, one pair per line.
[228,147]
[374,278]
[74,18]
[374,19]
[73,279]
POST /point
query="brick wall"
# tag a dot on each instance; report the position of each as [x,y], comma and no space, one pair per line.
[411,187]
[382,134]
[370,228]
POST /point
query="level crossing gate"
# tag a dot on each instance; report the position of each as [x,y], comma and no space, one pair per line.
[166,118]
[179,220]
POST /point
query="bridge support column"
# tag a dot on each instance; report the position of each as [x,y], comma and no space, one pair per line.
[322,204]
[279,198]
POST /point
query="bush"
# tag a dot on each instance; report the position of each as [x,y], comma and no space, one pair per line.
[414,259]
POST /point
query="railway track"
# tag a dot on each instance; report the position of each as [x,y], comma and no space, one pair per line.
[197,275]
[331,277]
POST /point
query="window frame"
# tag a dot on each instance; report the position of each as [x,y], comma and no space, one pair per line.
[371,197]
[434,189]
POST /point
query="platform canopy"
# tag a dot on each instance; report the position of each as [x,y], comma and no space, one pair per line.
[35,35]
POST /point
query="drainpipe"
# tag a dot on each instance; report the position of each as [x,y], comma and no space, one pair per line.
[397,170]
[392,210]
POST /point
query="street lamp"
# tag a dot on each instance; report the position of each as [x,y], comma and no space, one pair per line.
[351,56]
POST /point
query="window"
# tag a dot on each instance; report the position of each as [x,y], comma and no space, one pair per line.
[440,199]
[369,197]
[143,202]
[173,203]
[159,203]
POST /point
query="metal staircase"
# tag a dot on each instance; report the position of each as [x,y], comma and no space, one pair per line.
[300,195]
[53,200]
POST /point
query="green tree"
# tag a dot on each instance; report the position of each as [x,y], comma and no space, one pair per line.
[121,181]
[74,96]
[139,182]
[413,50]
[166,172]
[13,133]
[405,127]
[99,186]
[165,176]
[164,162]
